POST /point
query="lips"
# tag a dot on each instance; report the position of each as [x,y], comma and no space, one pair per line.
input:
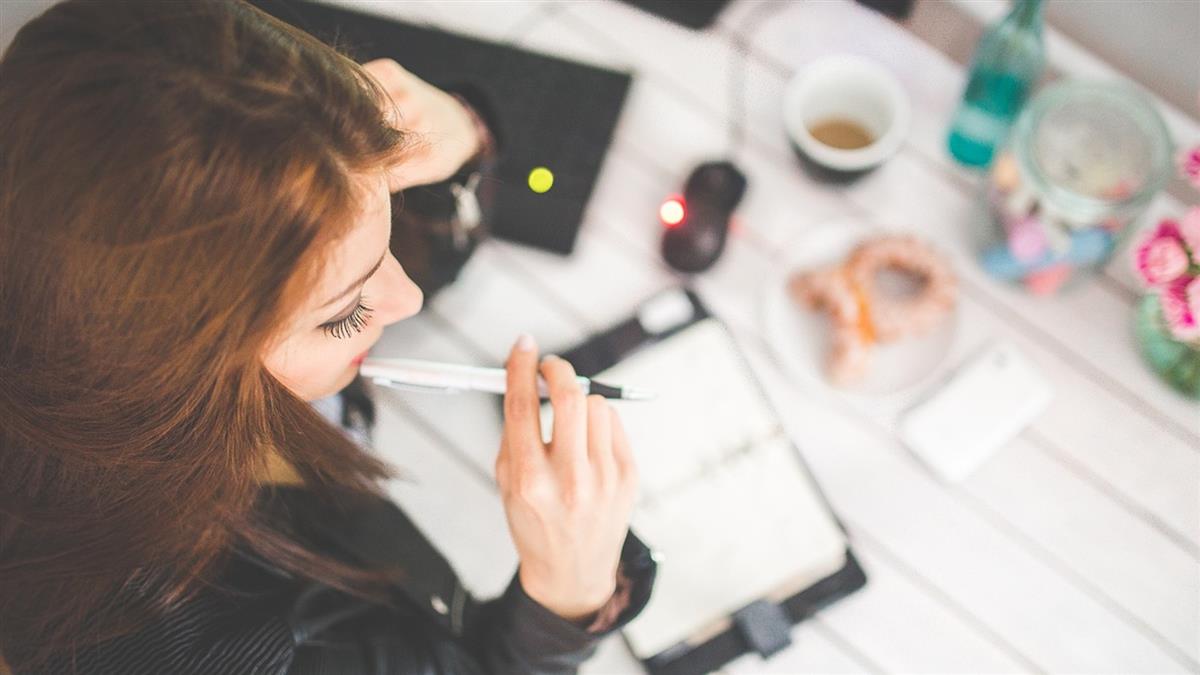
[359,359]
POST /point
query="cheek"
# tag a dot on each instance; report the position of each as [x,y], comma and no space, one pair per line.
[312,367]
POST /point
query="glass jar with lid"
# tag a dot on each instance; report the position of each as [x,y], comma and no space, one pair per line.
[1083,161]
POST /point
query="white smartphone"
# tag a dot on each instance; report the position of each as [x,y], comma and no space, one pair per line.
[984,405]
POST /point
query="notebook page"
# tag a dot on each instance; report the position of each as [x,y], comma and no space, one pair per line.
[705,407]
[723,497]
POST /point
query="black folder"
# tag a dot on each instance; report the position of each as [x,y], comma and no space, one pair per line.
[546,111]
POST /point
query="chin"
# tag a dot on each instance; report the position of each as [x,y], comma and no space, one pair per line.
[346,378]
[337,385]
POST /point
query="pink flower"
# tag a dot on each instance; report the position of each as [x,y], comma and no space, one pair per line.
[1192,293]
[1189,231]
[1161,258]
[1180,302]
[1189,165]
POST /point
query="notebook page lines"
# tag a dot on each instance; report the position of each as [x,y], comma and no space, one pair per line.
[706,407]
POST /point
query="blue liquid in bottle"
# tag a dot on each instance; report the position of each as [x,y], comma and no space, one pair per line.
[1005,68]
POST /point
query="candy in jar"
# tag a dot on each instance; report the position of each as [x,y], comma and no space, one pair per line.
[1083,161]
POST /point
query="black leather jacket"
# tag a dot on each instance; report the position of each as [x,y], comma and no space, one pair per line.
[258,619]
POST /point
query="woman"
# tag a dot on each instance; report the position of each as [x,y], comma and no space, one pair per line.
[194,228]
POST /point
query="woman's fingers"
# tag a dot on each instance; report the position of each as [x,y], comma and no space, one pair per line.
[443,132]
[522,421]
[600,438]
[588,447]
[569,438]
[568,513]
[622,453]
[393,79]
[502,460]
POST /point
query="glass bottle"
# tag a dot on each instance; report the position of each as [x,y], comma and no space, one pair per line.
[1005,68]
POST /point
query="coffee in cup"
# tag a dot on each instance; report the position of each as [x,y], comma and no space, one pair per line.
[845,115]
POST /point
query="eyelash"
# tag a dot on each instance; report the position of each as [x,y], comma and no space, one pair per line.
[355,321]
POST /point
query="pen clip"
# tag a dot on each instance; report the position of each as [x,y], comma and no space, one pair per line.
[416,388]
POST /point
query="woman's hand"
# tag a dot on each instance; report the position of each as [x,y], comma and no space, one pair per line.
[568,503]
[446,133]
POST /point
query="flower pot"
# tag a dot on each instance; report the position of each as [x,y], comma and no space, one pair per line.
[1176,362]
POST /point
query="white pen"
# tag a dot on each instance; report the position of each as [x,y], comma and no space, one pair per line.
[452,378]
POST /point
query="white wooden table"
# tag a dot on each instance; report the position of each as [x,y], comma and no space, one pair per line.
[1074,549]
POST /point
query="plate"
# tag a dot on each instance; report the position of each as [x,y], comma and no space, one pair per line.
[800,336]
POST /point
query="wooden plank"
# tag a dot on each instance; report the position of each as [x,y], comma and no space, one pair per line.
[562,285]
[1164,485]
[1082,601]
[806,30]
[594,286]
[1140,569]
[931,635]
[641,131]
[803,32]
[740,275]
[1152,556]
[1086,324]
[922,199]
[475,443]
[881,489]
[818,18]
[460,514]
[1159,479]
[486,303]
[1068,56]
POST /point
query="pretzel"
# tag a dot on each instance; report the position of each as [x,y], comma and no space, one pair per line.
[828,290]
[861,315]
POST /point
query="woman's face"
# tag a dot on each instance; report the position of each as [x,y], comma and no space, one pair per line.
[319,352]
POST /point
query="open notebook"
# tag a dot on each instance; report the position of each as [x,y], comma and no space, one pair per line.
[725,499]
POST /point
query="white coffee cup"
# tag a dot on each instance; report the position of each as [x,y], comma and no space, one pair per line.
[852,88]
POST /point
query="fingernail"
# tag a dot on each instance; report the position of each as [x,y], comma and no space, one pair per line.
[525,342]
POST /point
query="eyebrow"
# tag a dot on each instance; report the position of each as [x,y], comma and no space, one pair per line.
[357,282]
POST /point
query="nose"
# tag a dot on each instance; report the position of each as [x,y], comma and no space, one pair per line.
[400,295]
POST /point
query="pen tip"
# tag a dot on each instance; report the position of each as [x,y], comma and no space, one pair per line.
[635,394]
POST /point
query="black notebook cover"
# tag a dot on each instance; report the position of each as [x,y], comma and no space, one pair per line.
[546,111]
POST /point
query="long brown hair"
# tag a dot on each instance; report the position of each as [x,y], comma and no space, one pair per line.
[170,176]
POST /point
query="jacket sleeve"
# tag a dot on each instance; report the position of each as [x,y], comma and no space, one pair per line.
[512,634]
[515,634]
[257,618]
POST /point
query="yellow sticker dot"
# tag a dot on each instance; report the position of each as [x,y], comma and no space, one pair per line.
[541,179]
